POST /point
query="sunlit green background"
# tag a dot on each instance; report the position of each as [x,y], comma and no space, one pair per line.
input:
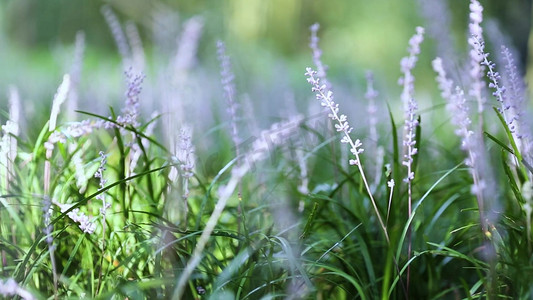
[36,37]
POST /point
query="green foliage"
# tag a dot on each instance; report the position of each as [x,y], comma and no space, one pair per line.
[300,225]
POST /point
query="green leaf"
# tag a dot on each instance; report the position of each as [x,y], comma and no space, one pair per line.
[309,222]
[500,143]
[509,134]
[512,182]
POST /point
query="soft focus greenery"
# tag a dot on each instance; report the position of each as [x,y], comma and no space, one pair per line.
[274,240]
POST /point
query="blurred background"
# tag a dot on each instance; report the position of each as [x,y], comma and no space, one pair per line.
[267,41]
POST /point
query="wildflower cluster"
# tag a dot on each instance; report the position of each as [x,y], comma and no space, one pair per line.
[471,140]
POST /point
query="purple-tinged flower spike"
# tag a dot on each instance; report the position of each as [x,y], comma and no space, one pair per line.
[118,35]
[371,95]
[410,106]
[137,51]
[459,110]
[407,64]
[437,15]
[476,17]
[321,69]
[9,288]
[326,99]
[516,93]
[476,68]
[325,96]
[511,108]
[495,37]
[228,84]
[372,141]
[84,223]
[445,84]
[187,46]
[410,151]
[515,83]
[494,77]
[409,141]
[130,113]
[472,143]
[101,196]
[477,159]
[456,104]
[75,130]
[185,155]
[100,175]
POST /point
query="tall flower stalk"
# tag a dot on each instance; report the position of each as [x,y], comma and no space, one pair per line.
[476,68]
[410,109]
[118,35]
[519,123]
[185,156]
[48,228]
[228,84]
[321,69]
[103,211]
[325,96]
